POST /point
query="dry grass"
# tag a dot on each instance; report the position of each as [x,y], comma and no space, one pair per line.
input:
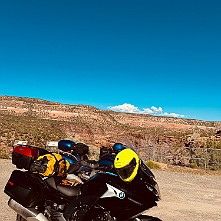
[191,170]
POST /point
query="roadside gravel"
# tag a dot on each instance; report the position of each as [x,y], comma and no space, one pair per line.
[185,196]
[7,213]
[188,197]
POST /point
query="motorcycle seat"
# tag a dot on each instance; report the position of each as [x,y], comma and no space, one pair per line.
[64,186]
[69,191]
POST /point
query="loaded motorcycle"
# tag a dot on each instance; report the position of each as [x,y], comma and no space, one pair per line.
[103,196]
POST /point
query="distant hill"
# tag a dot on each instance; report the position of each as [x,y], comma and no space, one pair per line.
[38,121]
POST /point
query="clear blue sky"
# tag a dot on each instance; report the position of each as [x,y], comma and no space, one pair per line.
[160,57]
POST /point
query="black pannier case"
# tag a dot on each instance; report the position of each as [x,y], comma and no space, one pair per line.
[24,188]
[23,156]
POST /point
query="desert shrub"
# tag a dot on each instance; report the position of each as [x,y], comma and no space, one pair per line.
[152,165]
[4,155]
[213,144]
[193,165]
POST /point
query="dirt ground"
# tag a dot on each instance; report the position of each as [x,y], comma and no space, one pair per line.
[185,196]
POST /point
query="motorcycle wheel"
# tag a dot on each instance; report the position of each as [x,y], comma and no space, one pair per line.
[148,218]
[78,213]
[20,218]
[105,216]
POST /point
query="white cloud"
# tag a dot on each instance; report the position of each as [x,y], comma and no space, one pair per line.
[173,114]
[153,110]
[130,108]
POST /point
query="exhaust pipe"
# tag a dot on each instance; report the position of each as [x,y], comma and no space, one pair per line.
[28,214]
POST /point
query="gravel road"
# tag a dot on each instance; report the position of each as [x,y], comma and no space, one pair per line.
[185,196]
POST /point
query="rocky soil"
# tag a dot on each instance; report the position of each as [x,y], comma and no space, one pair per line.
[38,121]
[185,196]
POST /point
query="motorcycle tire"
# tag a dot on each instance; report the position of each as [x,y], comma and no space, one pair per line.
[148,218]
[78,214]
[105,216]
[20,218]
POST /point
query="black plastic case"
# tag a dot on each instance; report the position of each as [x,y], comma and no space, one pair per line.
[25,188]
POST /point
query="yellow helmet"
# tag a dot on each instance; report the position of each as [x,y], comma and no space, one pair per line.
[126,164]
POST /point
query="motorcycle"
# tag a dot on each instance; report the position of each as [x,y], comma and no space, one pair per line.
[102,196]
